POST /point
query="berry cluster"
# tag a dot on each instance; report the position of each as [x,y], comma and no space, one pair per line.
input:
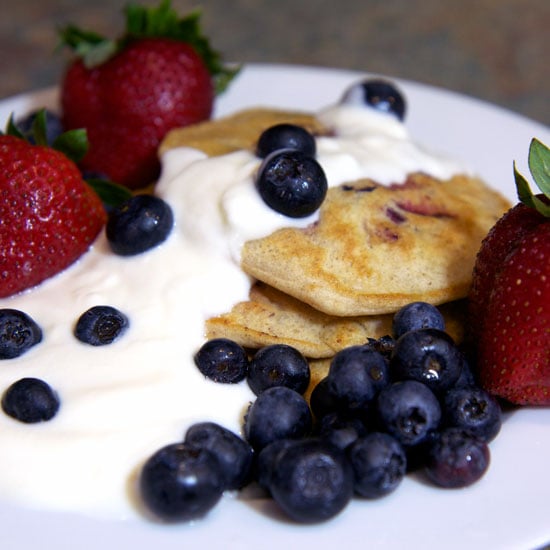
[32,400]
[406,402]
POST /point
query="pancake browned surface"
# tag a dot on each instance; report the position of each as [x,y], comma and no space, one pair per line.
[236,132]
[272,317]
[376,248]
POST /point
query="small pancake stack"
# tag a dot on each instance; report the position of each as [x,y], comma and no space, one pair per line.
[373,249]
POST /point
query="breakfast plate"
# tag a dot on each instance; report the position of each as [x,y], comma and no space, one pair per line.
[508,508]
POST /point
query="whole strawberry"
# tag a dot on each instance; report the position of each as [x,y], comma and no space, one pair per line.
[129,93]
[48,215]
[509,302]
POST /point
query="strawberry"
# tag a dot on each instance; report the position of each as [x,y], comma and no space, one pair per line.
[509,302]
[49,216]
[160,74]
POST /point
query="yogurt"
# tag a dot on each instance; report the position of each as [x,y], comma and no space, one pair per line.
[120,403]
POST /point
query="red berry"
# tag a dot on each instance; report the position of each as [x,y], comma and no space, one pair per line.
[48,215]
[128,93]
[130,102]
[514,346]
[509,313]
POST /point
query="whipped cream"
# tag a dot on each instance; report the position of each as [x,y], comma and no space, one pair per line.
[120,403]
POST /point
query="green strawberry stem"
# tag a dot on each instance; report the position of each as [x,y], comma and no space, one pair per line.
[539,166]
[150,22]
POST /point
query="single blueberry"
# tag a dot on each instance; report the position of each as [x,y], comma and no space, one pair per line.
[417,315]
[321,400]
[222,360]
[409,411]
[139,224]
[180,482]
[311,481]
[277,413]
[379,464]
[356,375]
[429,356]
[278,365]
[285,136]
[233,453]
[341,431]
[266,459]
[467,378]
[457,459]
[292,183]
[474,410]
[100,325]
[380,94]
[18,333]
[30,400]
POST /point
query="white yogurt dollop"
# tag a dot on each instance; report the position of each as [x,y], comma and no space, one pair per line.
[121,402]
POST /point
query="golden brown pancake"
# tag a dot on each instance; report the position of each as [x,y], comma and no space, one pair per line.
[272,317]
[376,248]
[236,132]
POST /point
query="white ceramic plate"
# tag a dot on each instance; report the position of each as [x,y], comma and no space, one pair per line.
[508,508]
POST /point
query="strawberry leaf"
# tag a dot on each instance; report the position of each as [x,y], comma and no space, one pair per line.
[73,144]
[539,165]
[12,129]
[39,128]
[111,194]
[91,47]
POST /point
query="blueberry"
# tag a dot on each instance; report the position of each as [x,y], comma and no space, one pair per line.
[139,224]
[457,459]
[266,459]
[321,400]
[311,481]
[180,482]
[467,377]
[222,360]
[30,400]
[429,356]
[285,136]
[341,431]
[356,375]
[234,455]
[277,413]
[379,464]
[417,315]
[278,365]
[409,411]
[101,325]
[292,183]
[18,333]
[379,94]
[54,126]
[474,410]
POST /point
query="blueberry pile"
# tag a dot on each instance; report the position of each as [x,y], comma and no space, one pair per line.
[32,400]
[405,402]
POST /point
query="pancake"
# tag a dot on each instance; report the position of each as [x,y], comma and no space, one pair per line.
[236,132]
[272,317]
[376,248]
